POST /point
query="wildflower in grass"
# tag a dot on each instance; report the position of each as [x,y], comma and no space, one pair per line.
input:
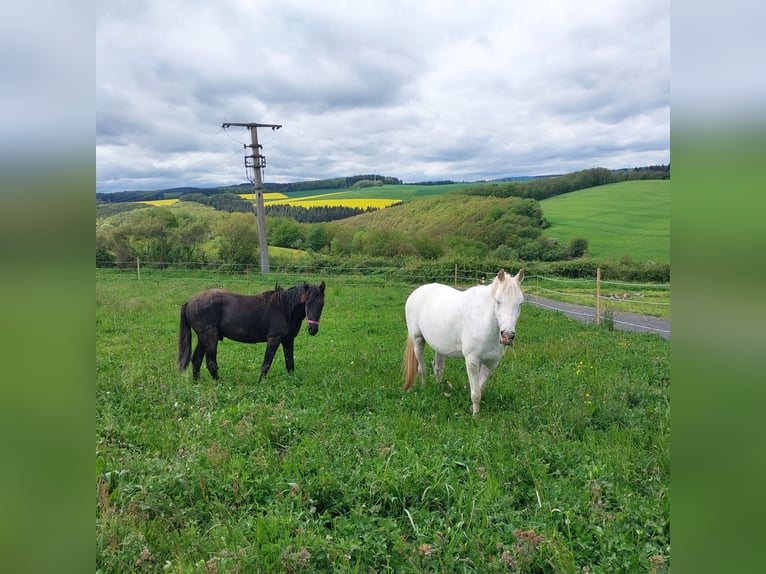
[657,563]
[292,560]
[582,368]
[426,549]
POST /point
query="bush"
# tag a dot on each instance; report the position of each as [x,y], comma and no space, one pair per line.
[577,247]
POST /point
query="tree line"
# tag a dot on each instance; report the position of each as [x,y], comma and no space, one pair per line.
[313,214]
[544,188]
[298,186]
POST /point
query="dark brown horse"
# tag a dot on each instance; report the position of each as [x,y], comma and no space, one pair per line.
[273,317]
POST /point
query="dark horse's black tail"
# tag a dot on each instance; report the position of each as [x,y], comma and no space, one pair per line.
[184,341]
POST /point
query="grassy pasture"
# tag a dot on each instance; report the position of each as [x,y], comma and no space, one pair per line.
[404,192]
[377,197]
[631,217]
[335,468]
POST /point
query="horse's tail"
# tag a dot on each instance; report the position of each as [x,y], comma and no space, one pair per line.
[184,341]
[410,364]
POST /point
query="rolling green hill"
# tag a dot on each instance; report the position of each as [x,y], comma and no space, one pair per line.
[622,221]
[629,218]
[445,218]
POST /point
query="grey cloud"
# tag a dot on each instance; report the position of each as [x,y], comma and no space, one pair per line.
[423,91]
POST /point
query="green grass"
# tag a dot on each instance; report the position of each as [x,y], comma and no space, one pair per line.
[404,192]
[335,468]
[630,218]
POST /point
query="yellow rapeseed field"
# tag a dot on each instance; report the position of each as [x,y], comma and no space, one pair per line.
[160,202]
[266,196]
[307,202]
[323,200]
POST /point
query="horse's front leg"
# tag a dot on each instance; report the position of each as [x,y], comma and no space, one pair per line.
[287,348]
[438,366]
[486,370]
[272,344]
[474,369]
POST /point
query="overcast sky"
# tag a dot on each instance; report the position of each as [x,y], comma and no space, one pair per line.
[425,90]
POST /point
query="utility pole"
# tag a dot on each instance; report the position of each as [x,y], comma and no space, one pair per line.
[256,162]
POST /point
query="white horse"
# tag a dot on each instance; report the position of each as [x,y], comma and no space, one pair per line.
[477,324]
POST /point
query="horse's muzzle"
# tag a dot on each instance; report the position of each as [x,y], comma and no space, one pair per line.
[507,337]
[313,327]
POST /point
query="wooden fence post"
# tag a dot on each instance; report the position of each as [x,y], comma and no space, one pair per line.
[598,295]
[455,274]
[138,266]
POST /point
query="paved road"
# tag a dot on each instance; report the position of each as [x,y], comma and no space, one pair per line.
[624,321]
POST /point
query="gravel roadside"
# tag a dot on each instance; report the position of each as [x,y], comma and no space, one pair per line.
[623,321]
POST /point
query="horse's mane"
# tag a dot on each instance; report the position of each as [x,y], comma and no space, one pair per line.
[281,297]
[288,298]
[506,285]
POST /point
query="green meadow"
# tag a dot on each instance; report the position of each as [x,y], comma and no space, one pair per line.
[334,468]
[403,192]
[630,218]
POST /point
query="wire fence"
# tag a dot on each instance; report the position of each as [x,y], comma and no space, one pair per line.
[654,298]
[616,292]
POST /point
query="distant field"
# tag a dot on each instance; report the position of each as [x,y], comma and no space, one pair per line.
[337,199]
[160,202]
[268,196]
[405,192]
[631,217]
[376,197]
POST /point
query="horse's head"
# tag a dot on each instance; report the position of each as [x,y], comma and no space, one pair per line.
[506,291]
[312,296]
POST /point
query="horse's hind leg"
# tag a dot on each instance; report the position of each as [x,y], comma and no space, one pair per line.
[199,354]
[438,365]
[207,347]
[420,353]
[212,364]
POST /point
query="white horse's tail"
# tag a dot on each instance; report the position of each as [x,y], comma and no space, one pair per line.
[409,364]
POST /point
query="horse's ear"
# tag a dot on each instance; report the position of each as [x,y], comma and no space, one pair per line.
[520,276]
[501,275]
[321,286]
